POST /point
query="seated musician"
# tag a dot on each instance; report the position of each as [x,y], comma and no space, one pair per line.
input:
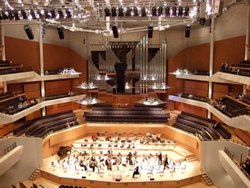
[136,171]
[165,162]
[93,163]
[108,163]
[129,159]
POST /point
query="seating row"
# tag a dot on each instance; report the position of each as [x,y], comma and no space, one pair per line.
[242,69]
[40,127]
[207,128]
[7,67]
[131,114]
[231,107]
[70,186]
[52,97]
[194,97]
[11,104]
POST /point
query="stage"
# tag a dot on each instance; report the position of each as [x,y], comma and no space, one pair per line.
[74,169]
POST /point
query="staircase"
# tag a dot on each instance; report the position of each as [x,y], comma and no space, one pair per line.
[206,179]
[34,174]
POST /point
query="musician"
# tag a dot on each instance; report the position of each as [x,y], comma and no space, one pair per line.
[108,163]
[93,163]
[136,171]
[159,158]
[118,159]
[129,158]
[165,162]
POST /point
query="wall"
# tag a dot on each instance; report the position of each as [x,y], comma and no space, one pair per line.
[211,164]
[30,160]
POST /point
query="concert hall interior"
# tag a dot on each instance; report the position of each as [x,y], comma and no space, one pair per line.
[124,93]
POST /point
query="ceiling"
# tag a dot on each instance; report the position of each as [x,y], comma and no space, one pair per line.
[98,16]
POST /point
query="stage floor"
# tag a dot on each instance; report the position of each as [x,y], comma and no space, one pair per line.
[145,157]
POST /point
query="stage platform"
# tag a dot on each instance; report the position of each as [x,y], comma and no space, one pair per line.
[180,172]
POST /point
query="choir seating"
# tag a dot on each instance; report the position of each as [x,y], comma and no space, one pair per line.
[194,97]
[42,126]
[7,67]
[11,104]
[231,107]
[207,129]
[127,114]
[62,95]
[242,69]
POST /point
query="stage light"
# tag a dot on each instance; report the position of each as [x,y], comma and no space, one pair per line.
[29,32]
[143,12]
[115,31]
[174,10]
[128,11]
[24,14]
[180,11]
[186,11]
[150,31]
[107,12]
[136,11]
[187,31]
[160,11]
[120,12]
[113,12]
[167,11]
[60,31]
[61,14]
[153,11]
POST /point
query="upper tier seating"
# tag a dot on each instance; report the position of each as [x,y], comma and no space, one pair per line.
[132,114]
[208,129]
[52,97]
[7,67]
[11,104]
[194,97]
[231,107]
[40,127]
[242,69]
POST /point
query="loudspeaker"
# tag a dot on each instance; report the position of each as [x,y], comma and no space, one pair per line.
[29,32]
[150,31]
[187,31]
[115,31]
[60,31]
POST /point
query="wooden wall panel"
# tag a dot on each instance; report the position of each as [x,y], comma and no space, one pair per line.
[219,90]
[196,88]
[230,51]
[15,88]
[32,90]
[62,107]
[55,57]
[191,109]
[57,87]
[23,52]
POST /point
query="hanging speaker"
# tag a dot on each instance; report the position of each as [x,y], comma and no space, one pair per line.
[187,31]
[150,31]
[29,32]
[60,31]
[115,31]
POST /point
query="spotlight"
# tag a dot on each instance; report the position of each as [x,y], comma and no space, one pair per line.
[174,11]
[68,13]
[107,12]
[154,11]
[167,11]
[24,14]
[29,32]
[187,31]
[115,31]
[160,11]
[120,12]
[180,11]
[60,31]
[113,12]
[128,11]
[61,14]
[150,31]
[143,12]
[136,11]
[186,11]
